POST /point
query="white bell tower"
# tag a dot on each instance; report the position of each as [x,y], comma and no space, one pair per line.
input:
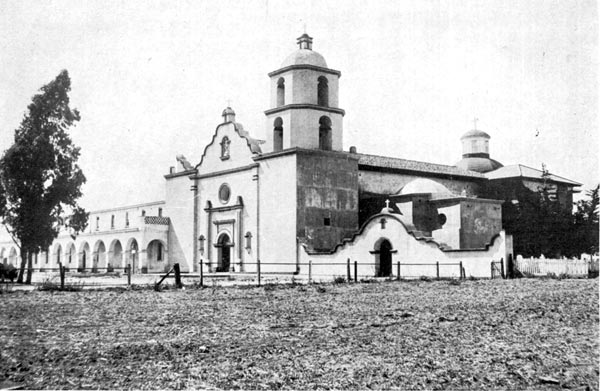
[304,103]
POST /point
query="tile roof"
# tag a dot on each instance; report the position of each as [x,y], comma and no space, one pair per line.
[413,165]
[519,170]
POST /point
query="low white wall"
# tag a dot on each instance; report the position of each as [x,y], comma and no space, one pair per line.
[406,249]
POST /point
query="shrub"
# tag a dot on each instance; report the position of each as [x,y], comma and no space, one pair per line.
[368,281]
[339,280]
[6,288]
[425,278]
[454,282]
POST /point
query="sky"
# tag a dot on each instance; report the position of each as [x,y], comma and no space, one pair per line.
[151,78]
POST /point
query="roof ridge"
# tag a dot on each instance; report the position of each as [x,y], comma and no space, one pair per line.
[409,160]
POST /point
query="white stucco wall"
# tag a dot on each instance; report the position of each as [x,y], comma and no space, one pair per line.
[305,129]
[278,212]
[179,207]
[237,172]
[450,232]
[234,222]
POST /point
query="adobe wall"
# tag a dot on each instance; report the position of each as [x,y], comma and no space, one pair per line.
[327,193]
[480,221]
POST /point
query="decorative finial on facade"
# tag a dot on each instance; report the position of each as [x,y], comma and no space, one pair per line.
[475,120]
[305,41]
[228,115]
[387,208]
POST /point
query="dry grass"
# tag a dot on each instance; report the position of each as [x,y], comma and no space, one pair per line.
[519,334]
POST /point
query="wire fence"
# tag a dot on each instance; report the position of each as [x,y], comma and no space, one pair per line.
[260,272]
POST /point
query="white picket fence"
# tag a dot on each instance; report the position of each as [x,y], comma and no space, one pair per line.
[545,266]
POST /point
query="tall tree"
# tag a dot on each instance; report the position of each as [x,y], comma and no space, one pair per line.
[40,181]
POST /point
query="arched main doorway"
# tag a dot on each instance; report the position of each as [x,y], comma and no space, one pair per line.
[224,254]
[383,258]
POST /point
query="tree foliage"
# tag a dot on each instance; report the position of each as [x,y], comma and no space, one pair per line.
[40,181]
[540,225]
[585,219]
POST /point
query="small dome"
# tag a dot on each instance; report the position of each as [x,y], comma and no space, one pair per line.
[475,133]
[478,164]
[425,186]
[305,57]
[228,111]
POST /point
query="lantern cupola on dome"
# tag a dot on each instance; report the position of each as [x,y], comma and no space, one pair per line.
[476,152]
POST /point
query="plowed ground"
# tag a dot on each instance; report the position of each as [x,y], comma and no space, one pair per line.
[515,334]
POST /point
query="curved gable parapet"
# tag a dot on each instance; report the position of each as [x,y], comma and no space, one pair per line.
[410,229]
[252,144]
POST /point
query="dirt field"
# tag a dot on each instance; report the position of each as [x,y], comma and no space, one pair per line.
[517,334]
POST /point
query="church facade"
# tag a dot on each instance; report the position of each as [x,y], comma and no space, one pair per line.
[298,197]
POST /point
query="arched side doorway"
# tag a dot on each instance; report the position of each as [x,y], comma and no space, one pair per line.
[156,257]
[383,258]
[70,255]
[115,255]
[99,262]
[133,255]
[224,253]
[84,256]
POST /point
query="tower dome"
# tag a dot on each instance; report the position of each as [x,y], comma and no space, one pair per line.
[476,152]
[305,55]
[304,109]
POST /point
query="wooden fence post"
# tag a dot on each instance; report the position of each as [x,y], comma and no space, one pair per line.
[201,273]
[355,271]
[502,267]
[129,274]
[178,283]
[61,272]
[309,271]
[437,269]
[398,277]
[258,270]
[492,269]
[348,270]
[460,271]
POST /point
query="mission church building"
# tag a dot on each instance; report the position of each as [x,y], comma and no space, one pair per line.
[298,196]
